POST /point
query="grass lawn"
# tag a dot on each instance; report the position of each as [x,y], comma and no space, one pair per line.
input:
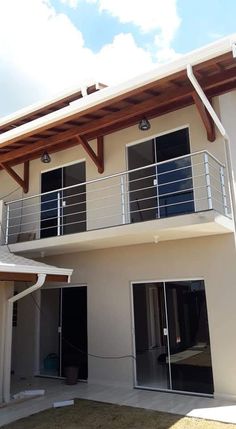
[97,415]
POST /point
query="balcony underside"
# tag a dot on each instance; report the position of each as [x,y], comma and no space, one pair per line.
[179,227]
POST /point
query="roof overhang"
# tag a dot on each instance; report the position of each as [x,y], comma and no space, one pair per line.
[32,277]
[162,90]
[18,268]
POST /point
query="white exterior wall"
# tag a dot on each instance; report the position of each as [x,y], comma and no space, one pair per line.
[6,292]
[108,274]
[25,336]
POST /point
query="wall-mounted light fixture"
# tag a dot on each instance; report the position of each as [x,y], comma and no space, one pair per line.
[144,124]
[45,158]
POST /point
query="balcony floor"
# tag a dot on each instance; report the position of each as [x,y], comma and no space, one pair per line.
[172,228]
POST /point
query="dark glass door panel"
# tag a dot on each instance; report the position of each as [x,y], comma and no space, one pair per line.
[165,190]
[64,211]
[74,200]
[74,330]
[175,185]
[152,365]
[142,188]
[190,356]
[172,353]
[51,203]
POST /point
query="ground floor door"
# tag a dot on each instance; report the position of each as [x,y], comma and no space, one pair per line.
[63,331]
[172,336]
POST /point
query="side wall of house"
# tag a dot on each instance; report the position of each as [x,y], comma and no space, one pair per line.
[6,292]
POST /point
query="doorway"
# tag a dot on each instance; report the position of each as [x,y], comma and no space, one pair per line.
[172,341]
[63,331]
[164,189]
[63,211]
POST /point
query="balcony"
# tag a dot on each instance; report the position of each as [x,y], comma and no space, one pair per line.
[179,198]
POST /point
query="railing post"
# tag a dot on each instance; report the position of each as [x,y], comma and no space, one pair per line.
[122,189]
[208,181]
[58,214]
[7,224]
[222,181]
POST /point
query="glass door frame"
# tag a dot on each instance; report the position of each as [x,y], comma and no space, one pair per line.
[153,137]
[164,281]
[60,322]
[60,231]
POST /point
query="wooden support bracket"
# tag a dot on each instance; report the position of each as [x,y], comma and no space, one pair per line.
[24,183]
[206,118]
[97,158]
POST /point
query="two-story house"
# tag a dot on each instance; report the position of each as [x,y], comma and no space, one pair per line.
[132,187]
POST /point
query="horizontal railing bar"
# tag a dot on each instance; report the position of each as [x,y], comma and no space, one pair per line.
[112,196]
[191,155]
[103,207]
[128,213]
[63,197]
[82,221]
[94,190]
[112,206]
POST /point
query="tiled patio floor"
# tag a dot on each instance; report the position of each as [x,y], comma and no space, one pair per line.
[57,390]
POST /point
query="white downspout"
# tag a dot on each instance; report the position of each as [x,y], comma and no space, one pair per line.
[8,337]
[222,130]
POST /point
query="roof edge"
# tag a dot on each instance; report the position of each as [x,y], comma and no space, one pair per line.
[195,57]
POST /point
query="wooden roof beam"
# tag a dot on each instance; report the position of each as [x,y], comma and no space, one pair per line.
[97,158]
[206,118]
[24,183]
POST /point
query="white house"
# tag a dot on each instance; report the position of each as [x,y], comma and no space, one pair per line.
[132,188]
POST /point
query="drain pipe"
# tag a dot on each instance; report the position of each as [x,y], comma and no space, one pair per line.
[225,136]
[8,338]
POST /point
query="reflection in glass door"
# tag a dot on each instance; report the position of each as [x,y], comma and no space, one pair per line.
[172,336]
[150,323]
[167,188]
[63,211]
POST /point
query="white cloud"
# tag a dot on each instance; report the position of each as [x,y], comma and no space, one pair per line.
[42,52]
[71,3]
[158,16]
[149,15]
[122,59]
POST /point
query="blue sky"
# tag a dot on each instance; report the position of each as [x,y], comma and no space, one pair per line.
[49,46]
[202,21]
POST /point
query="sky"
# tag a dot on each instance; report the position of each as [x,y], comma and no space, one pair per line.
[50,46]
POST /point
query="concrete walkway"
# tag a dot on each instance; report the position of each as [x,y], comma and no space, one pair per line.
[56,390]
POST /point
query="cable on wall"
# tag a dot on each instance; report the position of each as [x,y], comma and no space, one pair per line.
[82,351]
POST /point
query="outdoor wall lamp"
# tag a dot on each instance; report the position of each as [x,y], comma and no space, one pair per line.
[45,158]
[144,124]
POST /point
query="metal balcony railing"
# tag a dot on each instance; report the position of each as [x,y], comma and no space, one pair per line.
[192,183]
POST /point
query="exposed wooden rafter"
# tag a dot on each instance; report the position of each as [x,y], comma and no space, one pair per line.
[206,118]
[24,183]
[30,277]
[97,158]
[153,99]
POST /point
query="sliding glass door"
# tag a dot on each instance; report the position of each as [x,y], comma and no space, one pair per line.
[172,336]
[63,331]
[165,189]
[64,210]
